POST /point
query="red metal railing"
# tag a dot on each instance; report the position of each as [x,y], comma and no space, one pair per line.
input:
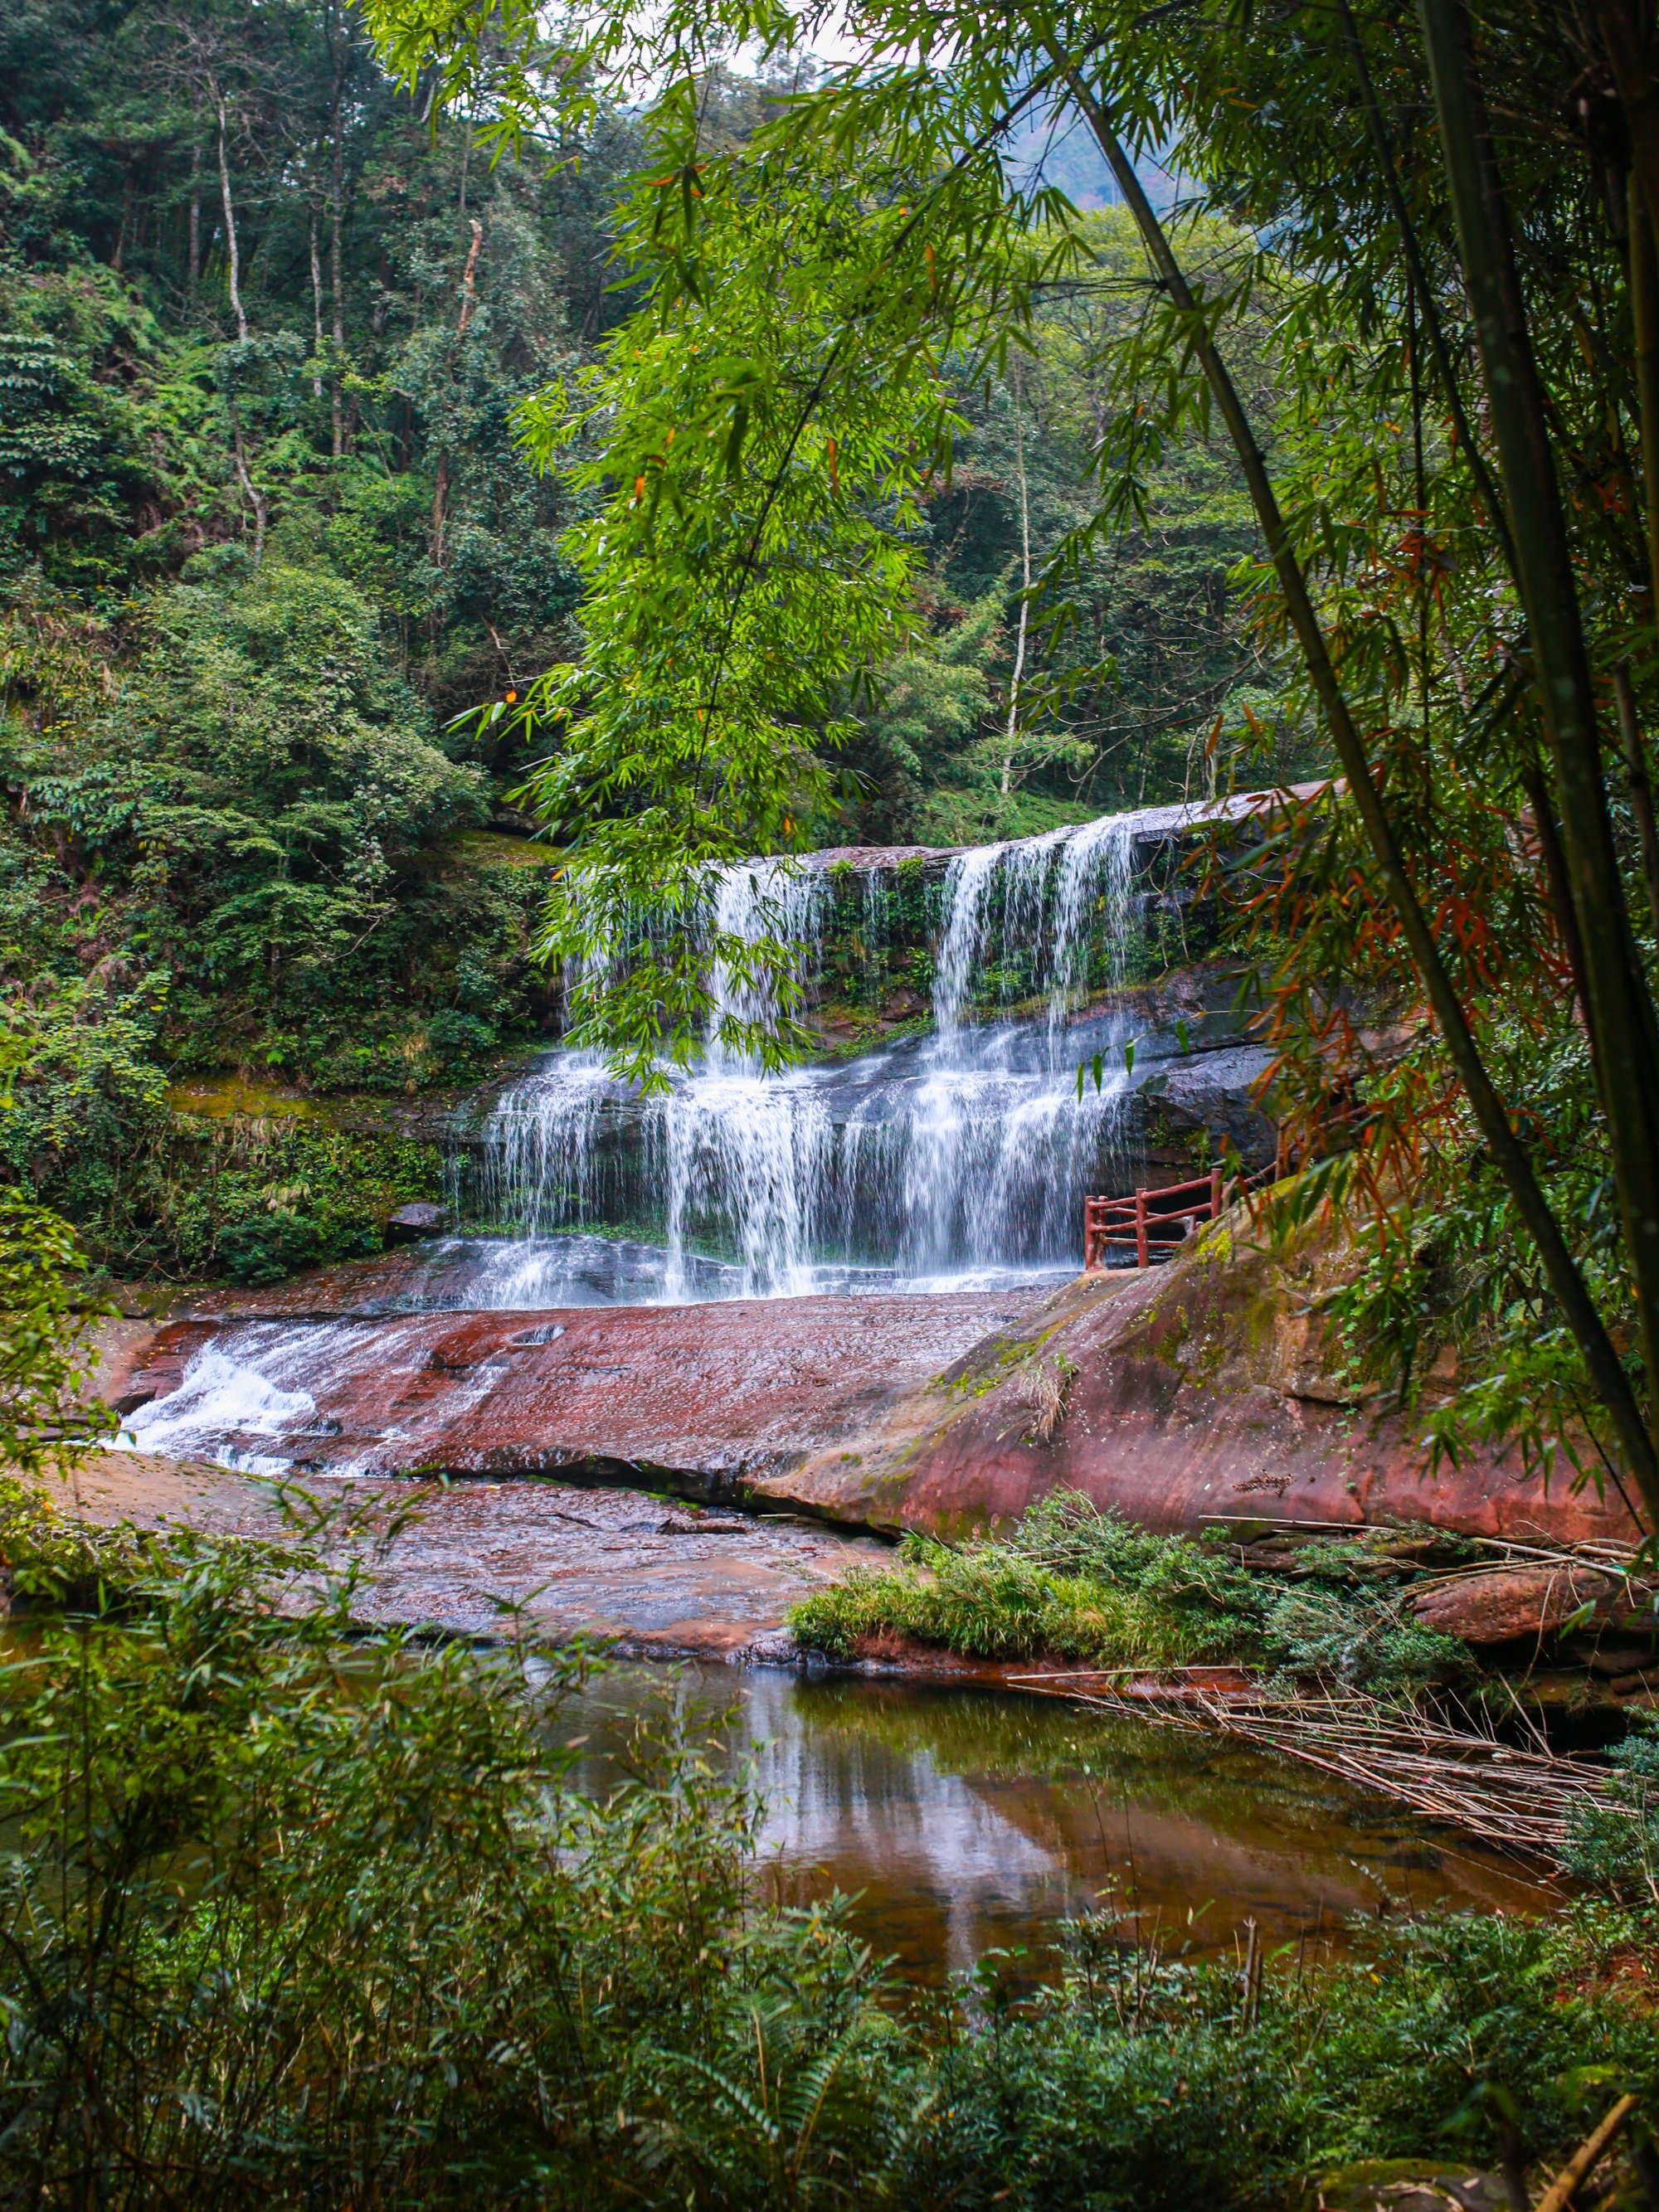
[1153,1221]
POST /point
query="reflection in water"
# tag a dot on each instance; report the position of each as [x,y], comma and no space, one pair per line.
[963,1818]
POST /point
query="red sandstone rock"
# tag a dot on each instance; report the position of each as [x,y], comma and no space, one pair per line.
[1195,1394]
[666,1582]
[708,1396]
[1496,1606]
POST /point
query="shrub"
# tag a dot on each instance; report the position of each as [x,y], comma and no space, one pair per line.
[1085,1584]
[326,1920]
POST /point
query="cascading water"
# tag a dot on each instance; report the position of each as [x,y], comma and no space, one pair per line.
[957,1157]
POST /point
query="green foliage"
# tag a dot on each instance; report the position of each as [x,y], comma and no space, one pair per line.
[1079,1583]
[748,564]
[1617,1847]
[257,1198]
[322,1917]
[291,1912]
[925,704]
[1141,663]
[47,1356]
[247,577]
[1136,2088]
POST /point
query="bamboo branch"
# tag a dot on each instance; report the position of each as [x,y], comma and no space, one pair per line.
[1608,1378]
[1468,444]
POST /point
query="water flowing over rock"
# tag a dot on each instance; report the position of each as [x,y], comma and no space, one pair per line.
[957,1157]
[707,1397]
[833,1286]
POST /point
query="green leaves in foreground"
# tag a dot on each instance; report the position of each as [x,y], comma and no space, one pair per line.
[46,1355]
[294,1914]
[759,442]
[330,1919]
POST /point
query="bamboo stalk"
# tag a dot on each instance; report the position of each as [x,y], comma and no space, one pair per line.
[1582,2164]
[1611,1383]
[1619,1010]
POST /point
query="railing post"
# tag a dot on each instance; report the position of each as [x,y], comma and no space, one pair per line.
[1140,1229]
[1215,1194]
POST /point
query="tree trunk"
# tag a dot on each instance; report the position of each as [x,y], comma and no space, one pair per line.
[439,500]
[441,490]
[316,310]
[1025,604]
[1640,785]
[336,284]
[251,491]
[1607,1376]
[1645,317]
[232,256]
[195,276]
[1469,445]
[1626,33]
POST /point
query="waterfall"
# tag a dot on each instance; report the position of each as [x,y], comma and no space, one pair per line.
[967,882]
[1096,863]
[760,902]
[957,1157]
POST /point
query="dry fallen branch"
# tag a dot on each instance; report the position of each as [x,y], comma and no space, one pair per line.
[1583,2162]
[1519,1802]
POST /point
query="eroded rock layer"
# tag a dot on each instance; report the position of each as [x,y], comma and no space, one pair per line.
[1198,1392]
[709,1398]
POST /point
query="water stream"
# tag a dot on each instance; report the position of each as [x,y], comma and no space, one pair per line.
[963,1818]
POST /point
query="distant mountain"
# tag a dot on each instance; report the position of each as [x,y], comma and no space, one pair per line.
[1060,148]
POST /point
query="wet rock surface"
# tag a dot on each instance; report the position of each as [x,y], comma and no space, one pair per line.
[1197,1393]
[707,1397]
[663,1579]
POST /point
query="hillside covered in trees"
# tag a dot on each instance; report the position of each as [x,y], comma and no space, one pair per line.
[269,539]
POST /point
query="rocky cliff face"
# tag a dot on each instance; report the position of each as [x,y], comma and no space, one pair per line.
[1197,1393]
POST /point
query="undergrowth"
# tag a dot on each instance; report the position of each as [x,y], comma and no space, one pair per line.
[1079,1583]
[292,1914]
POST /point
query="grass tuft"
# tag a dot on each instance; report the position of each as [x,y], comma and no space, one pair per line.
[1073,1583]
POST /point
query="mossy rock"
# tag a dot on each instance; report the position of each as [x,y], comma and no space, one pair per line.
[1401,2184]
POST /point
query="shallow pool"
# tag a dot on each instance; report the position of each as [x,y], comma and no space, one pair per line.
[963,1820]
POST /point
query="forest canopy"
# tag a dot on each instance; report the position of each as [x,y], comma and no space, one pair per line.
[298,472]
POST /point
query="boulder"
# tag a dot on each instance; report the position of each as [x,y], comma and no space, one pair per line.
[420,1219]
[1502,1603]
